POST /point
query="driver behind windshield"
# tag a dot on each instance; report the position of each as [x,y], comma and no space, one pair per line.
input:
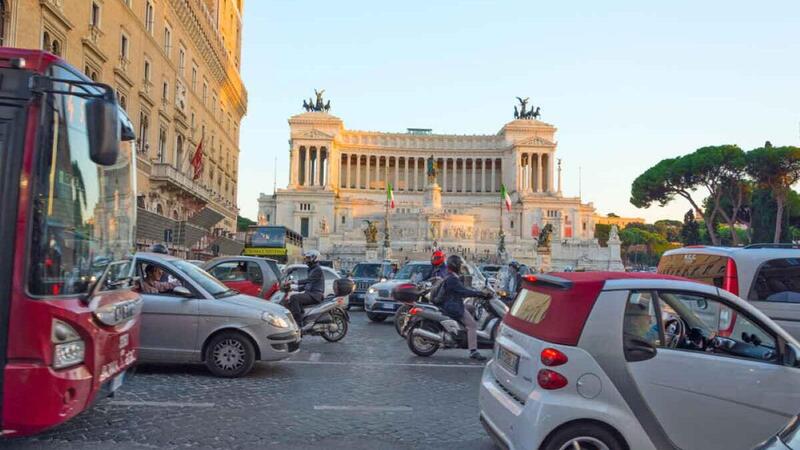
[152,283]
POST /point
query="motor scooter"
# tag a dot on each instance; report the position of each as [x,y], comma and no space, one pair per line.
[330,318]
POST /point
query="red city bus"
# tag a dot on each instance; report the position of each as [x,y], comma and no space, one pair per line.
[69,321]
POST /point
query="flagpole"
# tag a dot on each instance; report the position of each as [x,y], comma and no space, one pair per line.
[386,227]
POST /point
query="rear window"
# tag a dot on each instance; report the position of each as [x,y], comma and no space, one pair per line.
[708,269]
[553,314]
[777,280]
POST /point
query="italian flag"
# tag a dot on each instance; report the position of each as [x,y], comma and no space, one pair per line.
[505,197]
[390,195]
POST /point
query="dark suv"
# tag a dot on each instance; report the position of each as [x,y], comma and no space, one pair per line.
[365,274]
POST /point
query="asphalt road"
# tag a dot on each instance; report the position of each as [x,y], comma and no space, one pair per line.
[367,391]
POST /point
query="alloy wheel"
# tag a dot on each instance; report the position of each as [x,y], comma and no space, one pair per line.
[229,354]
[584,443]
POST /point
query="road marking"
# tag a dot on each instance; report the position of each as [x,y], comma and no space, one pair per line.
[162,404]
[381,364]
[362,408]
[314,357]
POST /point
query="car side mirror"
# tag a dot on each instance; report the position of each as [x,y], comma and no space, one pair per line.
[638,349]
[791,357]
[182,291]
[103,130]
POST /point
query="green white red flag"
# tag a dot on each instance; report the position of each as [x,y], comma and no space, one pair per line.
[390,195]
[504,195]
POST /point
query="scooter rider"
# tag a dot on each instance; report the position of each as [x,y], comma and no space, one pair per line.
[453,303]
[312,288]
[439,267]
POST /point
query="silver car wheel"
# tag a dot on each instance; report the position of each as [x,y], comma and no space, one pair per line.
[584,443]
[229,354]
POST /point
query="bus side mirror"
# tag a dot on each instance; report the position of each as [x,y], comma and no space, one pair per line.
[103,127]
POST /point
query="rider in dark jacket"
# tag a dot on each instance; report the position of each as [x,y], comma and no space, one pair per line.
[453,303]
[313,287]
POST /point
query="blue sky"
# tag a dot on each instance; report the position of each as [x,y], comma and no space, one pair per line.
[626,83]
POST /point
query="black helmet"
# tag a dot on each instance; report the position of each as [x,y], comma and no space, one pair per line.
[514,265]
[454,263]
[159,248]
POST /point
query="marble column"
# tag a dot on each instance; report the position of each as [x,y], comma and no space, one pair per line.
[307,167]
[494,163]
[473,169]
[366,172]
[416,174]
[358,171]
[396,182]
[483,175]
[539,179]
[444,174]
[406,185]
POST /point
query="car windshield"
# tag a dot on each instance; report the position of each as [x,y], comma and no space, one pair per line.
[83,213]
[414,272]
[204,279]
[367,271]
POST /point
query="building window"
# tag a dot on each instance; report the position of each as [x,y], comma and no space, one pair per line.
[194,77]
[162,144]
[124,45]
[159,209]
[165,92]
[51,44]
[168,41]
[149,16]
[94,18]
[179,153]
[205,93]
[144,131]
[90,72]
[146,72]
[344,220]
[123,100]
[304,227]
[181,60]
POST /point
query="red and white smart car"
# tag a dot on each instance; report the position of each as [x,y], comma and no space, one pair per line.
[635,361]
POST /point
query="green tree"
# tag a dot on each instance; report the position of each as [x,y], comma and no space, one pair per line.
[690,232]
[243,222]
[776,169]
[601,232]
[669,229]
[708,167]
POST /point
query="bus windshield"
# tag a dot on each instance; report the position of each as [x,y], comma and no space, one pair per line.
[266,237]
[83,214]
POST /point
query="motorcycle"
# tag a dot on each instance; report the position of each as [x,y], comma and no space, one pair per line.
[411,295]
[330,318]
[427,330]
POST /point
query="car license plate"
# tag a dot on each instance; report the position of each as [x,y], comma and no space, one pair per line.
[508,359]
[117,381]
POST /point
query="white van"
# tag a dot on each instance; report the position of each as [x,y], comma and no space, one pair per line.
[767,275]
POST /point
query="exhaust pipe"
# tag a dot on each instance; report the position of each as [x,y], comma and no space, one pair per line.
[438,337]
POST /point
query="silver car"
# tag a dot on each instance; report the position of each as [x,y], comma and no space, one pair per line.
[195,318]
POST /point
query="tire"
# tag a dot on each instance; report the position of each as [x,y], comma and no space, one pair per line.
[230,354]
[400,319]
[339,319]
[376,317]
[586,435]
[421,346]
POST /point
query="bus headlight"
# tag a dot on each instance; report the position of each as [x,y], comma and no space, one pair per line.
[68,347]
[274,320]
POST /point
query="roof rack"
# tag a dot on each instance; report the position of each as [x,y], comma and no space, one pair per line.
[756,246]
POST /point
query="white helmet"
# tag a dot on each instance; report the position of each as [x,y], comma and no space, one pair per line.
[310,257]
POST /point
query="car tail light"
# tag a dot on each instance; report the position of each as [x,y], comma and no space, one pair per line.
[406,286]
[551,357]
[727,318]
[415,311]
[68,347]
[531,278]
[550,379]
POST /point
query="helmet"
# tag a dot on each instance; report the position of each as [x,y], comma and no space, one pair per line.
[454,263]
[159,248]
[310,257]
[437,259]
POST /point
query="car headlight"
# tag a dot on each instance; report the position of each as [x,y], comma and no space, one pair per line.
[68,347]
[275,320]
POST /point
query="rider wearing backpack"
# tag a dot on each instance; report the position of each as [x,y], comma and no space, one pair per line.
[451,295]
